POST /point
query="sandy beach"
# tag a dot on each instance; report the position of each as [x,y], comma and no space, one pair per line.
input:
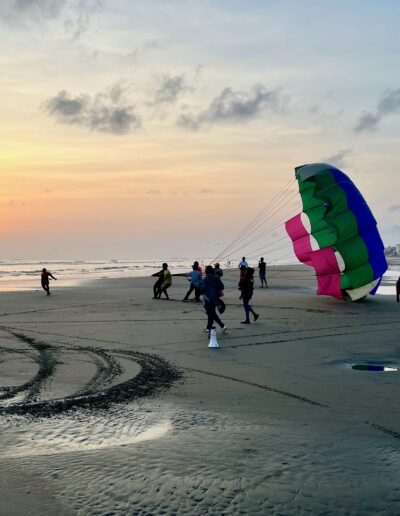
[112,403]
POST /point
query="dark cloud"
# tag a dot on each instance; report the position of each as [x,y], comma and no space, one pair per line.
[394,207]
[170,89]
[76,13]
[107,112]
[339,159]
[389,104]
[233,106]
[31,10]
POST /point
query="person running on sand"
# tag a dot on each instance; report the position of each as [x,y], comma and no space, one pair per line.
[398,290]
[262,266]
[195,277]
[247,288]
[158,283]
[45,279]
[212,289]
[166,283]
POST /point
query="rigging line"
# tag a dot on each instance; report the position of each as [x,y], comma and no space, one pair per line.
[267,246]
[260,214]
[266,216]
[268,251]
[262,234]
[242,242]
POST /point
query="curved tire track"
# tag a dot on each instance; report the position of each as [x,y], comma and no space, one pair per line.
[156,374]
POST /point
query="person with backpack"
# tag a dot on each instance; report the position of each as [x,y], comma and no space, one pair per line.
[212,289]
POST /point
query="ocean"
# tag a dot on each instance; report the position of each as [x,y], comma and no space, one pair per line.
[25,274]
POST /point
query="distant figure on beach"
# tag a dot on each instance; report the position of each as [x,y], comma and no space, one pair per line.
[398,290]
[212,289]
[262,269]
[247,288]
[242,276]
[45,278]
[218,271]
[243,263]
[166,282]
[158,283]
[195,278]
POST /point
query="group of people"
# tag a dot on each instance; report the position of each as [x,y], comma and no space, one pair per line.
[211,288]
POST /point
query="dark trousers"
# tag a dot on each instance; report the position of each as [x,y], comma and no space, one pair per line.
[197,292]
[247,307]
[157,287]
[398,291]
[46,287]
[212,315]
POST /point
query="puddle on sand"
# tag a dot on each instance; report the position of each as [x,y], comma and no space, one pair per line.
[81,432]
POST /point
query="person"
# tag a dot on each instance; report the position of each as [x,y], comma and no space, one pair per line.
[158,283]
[218,271]
[212,289]
[247,288]
[166,283]
[242,276]
[262,266]
[45,278]
[195,278]
[243,263]
[398,290]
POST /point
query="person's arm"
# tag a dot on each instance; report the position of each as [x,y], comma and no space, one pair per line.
[52,276]
[156,274]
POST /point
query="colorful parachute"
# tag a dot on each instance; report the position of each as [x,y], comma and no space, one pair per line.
[336,234]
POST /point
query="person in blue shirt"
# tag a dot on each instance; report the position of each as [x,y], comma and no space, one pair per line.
[212,289]
[195,277]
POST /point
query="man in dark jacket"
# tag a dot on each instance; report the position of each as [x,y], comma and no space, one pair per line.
[212,289]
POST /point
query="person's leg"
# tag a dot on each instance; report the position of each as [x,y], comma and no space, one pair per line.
[165,292]
[197,293]
[255,315]
[156,288]
[398,292]
[210,316]
[218,320]
[46,287]
[246,307]
[189,292]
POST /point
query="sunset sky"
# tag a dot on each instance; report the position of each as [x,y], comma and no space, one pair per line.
[159,128]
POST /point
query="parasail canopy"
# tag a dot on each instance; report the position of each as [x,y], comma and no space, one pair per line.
[336,234]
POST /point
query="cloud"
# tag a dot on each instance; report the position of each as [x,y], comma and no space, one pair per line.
[170,89]
[206,191]
[389,104]
[339,159]
[106,112]
[31,10]
[153,192]
[77,13]
[394,207]
[232,106]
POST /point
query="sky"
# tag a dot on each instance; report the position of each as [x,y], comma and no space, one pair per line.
[160,128]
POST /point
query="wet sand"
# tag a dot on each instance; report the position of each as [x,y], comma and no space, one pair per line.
[111,402]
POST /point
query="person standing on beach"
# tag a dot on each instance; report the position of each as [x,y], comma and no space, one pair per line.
[398,290]
[166,283]
[262,267]
[158,283]
[212,288]
[218,271]
[243,263]
[195,277]
[45,279]
[247,288]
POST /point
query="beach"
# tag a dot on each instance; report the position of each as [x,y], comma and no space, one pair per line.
[112,403]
